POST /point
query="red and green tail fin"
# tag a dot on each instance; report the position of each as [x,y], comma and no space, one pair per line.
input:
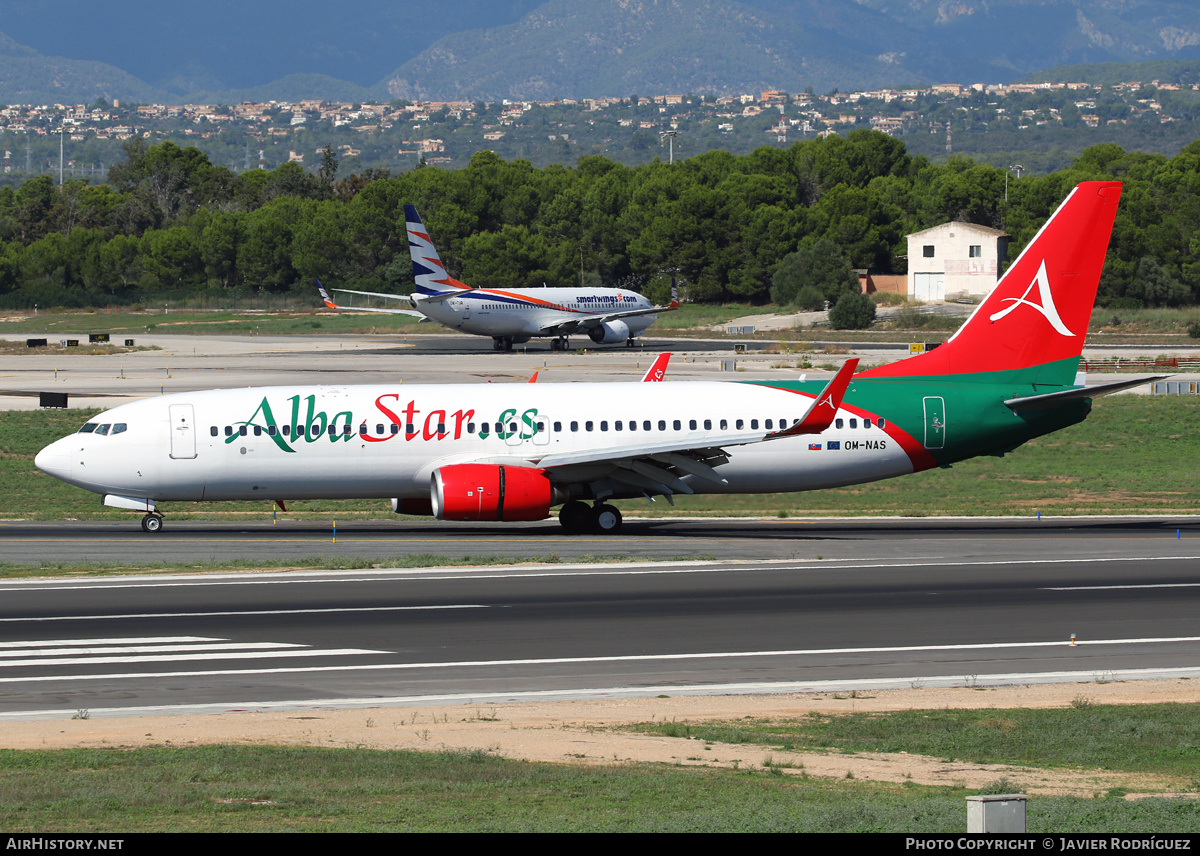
[1035,321]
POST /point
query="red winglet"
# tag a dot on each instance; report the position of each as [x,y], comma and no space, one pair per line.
[658,371]
[825,406]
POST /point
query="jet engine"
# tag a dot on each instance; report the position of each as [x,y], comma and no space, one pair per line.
[491,492]
[610,332]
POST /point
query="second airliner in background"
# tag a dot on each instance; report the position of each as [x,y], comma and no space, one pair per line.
[513,316]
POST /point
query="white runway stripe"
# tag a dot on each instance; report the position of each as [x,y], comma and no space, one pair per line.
[236,613]
[155,649]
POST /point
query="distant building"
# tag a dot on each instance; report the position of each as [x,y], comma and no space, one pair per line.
[954,259]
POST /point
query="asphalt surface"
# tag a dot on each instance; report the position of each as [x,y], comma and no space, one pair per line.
[855,605]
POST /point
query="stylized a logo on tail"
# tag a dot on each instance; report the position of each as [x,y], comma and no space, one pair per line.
[1046,307]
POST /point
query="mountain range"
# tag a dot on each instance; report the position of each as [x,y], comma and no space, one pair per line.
[138,50]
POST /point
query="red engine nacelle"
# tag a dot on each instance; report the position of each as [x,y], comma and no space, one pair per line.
[491,492]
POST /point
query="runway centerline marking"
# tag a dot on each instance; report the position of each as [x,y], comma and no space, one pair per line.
[238,613]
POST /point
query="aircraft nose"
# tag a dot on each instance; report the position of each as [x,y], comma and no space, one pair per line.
[54,460]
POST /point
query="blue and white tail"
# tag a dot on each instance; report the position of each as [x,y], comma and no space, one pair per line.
[428,270]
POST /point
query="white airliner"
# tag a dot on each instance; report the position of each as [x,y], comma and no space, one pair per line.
[513,316]
[514,451]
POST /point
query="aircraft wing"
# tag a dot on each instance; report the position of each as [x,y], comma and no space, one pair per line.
[660,467]
[575,323]
[329,302]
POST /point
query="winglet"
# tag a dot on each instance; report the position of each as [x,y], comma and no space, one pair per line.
[325,296]
[674,295]
[825,406]
[658,371]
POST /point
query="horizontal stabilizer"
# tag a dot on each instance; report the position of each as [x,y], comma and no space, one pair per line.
[1051,400]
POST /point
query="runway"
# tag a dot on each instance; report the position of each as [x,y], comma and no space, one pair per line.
[859,606]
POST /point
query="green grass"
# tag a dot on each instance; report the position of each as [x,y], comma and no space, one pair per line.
[1151,738]
[244,788]
[8,570]
[1125,458]
[123,323]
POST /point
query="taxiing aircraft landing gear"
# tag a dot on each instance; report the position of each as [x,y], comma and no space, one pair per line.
[502,343]
[575,517]
[606,519]
[152,522]
[560,344]
[629,342]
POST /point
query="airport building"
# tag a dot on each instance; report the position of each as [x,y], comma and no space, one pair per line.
[954,260]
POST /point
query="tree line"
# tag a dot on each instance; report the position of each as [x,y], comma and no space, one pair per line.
[169,224]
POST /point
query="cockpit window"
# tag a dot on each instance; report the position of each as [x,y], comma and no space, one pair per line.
[102,429]
[119,428]
[87,428]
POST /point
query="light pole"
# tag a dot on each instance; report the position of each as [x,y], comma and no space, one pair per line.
[1018,169]
[670,137]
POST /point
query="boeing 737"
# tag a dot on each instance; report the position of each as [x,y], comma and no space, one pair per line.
[505,452]
[513,316]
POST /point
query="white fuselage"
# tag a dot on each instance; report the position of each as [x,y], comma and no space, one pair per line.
[530,312]
[281,443]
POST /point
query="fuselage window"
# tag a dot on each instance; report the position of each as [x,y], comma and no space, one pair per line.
[617,425]
[753,425]
[768,424]
[632,424]
[512,427]
[228,430]
[838,423]
[287,430]
[853,423]
[882,422]
[257,431]
[271,430]
[574,426]
[213,431]
[499,427]
[866,423]
[603,424]
[470,427]
[677,425]
[691,424]
[243,430]
[412,429]
[395,428]
[557,427]
[646,425]
[724,424]
[362,429]
[441,427]
[587,426]
[739,424]
[87,428]
[379,429]
[707,424]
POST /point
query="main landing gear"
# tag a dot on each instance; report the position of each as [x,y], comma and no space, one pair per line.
[502,343]
[560,344]
[152,522]
[600,519]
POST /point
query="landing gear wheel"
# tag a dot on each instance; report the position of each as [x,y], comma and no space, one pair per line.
[502,343]
[556,344]
[152,523]
[606,519]
[575,517]
[629,343]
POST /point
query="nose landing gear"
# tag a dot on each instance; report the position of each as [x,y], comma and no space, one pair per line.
[152,522]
